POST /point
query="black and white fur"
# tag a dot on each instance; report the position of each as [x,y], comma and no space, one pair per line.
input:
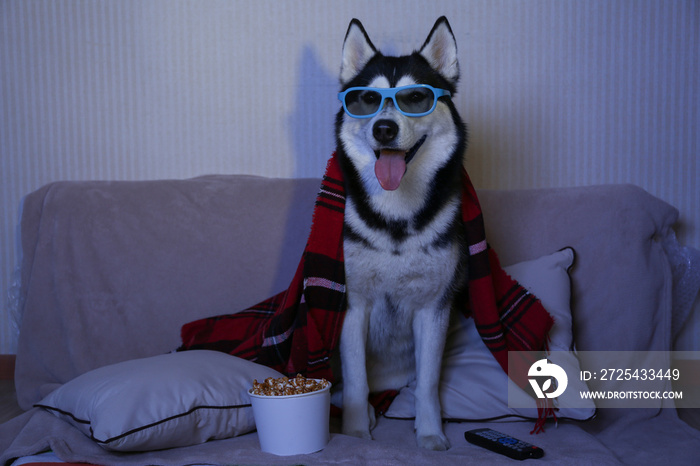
[404,251]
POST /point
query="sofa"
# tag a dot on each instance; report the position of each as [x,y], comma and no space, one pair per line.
[111,271]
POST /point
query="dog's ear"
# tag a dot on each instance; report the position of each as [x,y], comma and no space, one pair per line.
[357,51]
[440,49]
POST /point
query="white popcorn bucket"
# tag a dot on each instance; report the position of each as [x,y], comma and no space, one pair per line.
[292,424]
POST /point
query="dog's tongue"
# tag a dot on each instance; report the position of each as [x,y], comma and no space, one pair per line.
[390,168]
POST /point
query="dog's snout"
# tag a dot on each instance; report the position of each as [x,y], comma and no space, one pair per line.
[385,131]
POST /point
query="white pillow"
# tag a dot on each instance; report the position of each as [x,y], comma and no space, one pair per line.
[474,387]
[165,401]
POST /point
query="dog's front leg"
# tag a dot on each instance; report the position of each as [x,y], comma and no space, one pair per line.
[358,415]
[430,329]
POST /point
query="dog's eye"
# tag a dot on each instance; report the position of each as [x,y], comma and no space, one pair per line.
[415,100]
[361,102]
[417,97]
[370,98]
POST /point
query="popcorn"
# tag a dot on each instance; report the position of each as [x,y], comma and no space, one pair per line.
[285,386]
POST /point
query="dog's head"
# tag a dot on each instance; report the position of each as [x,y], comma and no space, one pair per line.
[397,113]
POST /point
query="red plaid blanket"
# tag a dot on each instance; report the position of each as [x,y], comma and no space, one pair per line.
[297,330]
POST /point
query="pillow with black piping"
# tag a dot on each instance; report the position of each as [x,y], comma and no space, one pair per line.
[474,387]
[165,401]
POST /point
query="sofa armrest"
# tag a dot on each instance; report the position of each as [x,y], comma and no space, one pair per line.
[690,387]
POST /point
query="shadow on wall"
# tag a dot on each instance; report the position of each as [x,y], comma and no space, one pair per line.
[311,131]
[311,124]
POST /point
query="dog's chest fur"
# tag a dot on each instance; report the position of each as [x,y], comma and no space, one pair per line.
[395,276]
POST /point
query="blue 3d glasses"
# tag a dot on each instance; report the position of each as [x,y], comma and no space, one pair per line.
[415,100]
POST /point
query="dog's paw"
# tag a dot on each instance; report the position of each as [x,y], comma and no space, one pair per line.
[363,434]
[372,417]
[360,430]
[433,442]
[359,422]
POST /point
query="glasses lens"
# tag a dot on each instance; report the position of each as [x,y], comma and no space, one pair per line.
[415,100]
[362,102]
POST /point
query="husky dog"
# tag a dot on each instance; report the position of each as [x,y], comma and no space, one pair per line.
[400,144]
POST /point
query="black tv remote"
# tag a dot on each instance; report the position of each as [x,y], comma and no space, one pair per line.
[503,443]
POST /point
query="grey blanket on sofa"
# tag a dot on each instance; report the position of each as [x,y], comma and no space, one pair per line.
[111,270]
[624,442]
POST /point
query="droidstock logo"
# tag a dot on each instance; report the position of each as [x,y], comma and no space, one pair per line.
[543,368]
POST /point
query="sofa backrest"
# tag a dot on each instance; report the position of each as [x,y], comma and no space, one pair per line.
[622,283]
[111,270]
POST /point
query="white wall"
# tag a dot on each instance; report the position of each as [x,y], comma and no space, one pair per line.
[555,92]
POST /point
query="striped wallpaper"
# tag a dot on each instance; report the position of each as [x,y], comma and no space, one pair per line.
[555,92]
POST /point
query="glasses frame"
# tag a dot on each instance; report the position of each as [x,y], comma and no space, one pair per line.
[390,93]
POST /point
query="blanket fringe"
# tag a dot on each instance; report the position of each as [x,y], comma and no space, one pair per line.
[545,410]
